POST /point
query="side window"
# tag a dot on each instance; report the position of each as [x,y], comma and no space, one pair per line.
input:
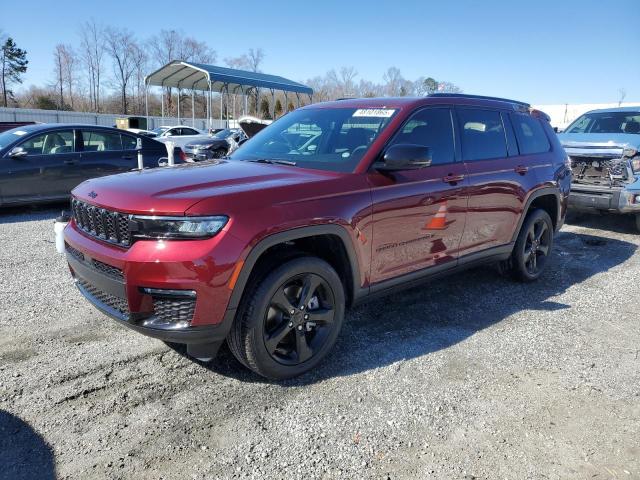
[128,143]
[189,131]
[433,128]
[530,134]
[95,141]
[51,143]
[482,134]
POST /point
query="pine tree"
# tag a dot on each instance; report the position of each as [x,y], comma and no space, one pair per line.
[264,109]
[13,63]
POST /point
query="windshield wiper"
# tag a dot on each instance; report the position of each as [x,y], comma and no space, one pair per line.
[273,161]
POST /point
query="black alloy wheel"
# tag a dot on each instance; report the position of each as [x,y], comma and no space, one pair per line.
[537,246]
[299,319]
[532,248]
[289,317]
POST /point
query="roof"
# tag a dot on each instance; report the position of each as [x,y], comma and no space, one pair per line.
[196,76]
[412,102]
[616,109]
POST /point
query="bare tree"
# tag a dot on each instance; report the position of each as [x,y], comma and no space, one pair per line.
[622,94]
[140,61]
[171,45]
[393,81]
[121,46]
[92,52]
[58,58]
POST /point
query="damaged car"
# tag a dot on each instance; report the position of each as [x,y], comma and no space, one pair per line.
[603,147]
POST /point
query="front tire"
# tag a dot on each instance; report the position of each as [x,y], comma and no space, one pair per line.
[290,319]
[532,247]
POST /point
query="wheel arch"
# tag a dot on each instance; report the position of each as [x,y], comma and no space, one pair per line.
[350,274]
[547,198]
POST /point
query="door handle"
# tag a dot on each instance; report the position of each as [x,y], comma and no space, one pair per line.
[70,162]
[453,179]
[127,157]
[521,169]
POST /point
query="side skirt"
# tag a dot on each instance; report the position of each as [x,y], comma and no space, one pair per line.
[492,255]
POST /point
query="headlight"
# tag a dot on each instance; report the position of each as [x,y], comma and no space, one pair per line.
[176,227]
[635,164]
[629,152]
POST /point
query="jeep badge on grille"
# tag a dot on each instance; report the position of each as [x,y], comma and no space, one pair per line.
[92,194]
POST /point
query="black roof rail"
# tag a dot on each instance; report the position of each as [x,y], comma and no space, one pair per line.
[479,97]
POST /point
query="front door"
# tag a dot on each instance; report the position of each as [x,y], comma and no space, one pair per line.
[419,215]
[46,172]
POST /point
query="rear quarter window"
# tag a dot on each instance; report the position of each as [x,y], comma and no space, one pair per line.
[530,134]
[482,134]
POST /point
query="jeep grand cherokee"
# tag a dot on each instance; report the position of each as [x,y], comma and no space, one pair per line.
[331,204]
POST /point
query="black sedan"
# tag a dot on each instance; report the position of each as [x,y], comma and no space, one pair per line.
[216,146]
[44,162]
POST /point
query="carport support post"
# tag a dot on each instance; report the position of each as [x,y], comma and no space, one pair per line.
[209,109]
[179,122]
[193,109]
[162,100]
[298,97]
[146,103]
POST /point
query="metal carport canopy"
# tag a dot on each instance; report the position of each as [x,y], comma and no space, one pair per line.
[198,76]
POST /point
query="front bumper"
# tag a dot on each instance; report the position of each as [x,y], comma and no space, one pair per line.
[161,289]
[614,200]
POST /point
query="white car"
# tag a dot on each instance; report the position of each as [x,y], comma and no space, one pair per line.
[180,135]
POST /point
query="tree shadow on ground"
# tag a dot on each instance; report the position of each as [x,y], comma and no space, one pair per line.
[24,454]
[441,313]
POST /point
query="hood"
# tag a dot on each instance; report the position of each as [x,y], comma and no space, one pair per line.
[173,190]
[207,141]
[619,140]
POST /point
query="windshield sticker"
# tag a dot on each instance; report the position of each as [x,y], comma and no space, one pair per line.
[374,112]
[20,133]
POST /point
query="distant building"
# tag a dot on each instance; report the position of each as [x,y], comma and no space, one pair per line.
[562,115]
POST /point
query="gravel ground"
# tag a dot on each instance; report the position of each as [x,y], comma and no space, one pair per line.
[469,377]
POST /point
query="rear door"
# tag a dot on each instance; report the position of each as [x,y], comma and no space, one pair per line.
[499,178]
[419,215]
[49,170]
[103,153]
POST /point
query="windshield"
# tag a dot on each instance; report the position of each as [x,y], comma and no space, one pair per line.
[223,133]
[326,139]
[606,122]
[160,130]
[10,136]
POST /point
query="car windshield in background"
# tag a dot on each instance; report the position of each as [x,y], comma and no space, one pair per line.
[222,134]
[159,130]
[326,139]
[606,122]
[10,136]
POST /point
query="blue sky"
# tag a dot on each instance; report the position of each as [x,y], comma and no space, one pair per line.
[573,51]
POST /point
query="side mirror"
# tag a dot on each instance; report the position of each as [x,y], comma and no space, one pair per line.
[18,152]
[404,157]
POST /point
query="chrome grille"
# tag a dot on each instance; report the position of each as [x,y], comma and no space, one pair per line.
[106,225]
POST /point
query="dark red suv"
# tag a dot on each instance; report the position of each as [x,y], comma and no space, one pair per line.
[329,205]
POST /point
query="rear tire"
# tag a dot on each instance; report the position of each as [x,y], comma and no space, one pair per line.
[290,319]
[532,248]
